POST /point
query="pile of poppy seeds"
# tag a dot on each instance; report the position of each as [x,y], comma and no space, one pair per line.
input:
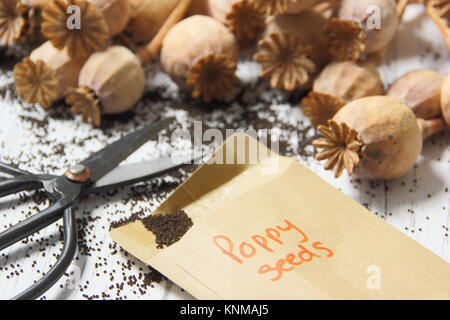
[168,228]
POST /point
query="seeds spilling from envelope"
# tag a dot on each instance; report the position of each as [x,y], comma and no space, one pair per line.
[168,228]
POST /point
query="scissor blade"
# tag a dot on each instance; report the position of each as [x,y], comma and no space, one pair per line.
[112,155]
[125,175]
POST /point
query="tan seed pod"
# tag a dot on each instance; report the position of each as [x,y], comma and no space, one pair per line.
[116,13]
[293,48]
[445,99]
[420,90]
[45,76]
[358,30]
[240,16]
[99,21]
[110,82]
[148,17]
[19,22]
[379,137]
[201,55]
[284,6]
[340,83]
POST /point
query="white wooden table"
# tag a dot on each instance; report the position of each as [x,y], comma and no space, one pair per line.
[416,204]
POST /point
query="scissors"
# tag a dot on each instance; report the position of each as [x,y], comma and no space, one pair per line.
[99,172]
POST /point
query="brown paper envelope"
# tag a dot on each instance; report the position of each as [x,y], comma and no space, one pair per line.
[370,259]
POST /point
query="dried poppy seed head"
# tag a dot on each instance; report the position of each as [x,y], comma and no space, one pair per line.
[309,28]
[44,77]
[340,83]
[387,150]
[286,61]
[212,77]
[245,21]
[12,22]
[379,28]
[201,55]
[84,101]
[240,16]
[347,39]
[341,147]
[92,35]
[110,82]
[321,107]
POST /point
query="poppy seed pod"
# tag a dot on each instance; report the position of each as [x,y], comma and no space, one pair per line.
[293,49]
[379,137]
[420,90]
[338,84]
[201,55]
[99,20]
[110,82]
[45,76]
[240,16]
[445,99]
[362,26]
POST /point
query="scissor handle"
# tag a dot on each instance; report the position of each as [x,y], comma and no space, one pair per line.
[37,222]
[61,266]
[19,184]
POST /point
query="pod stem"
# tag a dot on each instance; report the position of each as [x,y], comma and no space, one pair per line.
[148,52]
[432,127]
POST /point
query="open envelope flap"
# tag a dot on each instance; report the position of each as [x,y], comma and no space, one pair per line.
[285,235]
[223,177]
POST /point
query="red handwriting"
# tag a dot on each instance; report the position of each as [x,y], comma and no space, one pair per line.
[270,241]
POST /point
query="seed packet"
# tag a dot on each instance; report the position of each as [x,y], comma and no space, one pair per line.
[272,229]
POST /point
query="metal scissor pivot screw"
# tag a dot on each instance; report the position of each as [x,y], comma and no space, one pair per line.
[78,173]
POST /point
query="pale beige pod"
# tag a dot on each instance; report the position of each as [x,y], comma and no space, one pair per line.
[116,14]
[293,50]
[240,16]
[379,137]
[100,20]
[445,99]
[201,54]
[378,18]
[340,83]
[45,76]
[110,82]
[421,91]
[349,80]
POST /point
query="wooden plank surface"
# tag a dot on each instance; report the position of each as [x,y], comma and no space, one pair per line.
[416,204]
